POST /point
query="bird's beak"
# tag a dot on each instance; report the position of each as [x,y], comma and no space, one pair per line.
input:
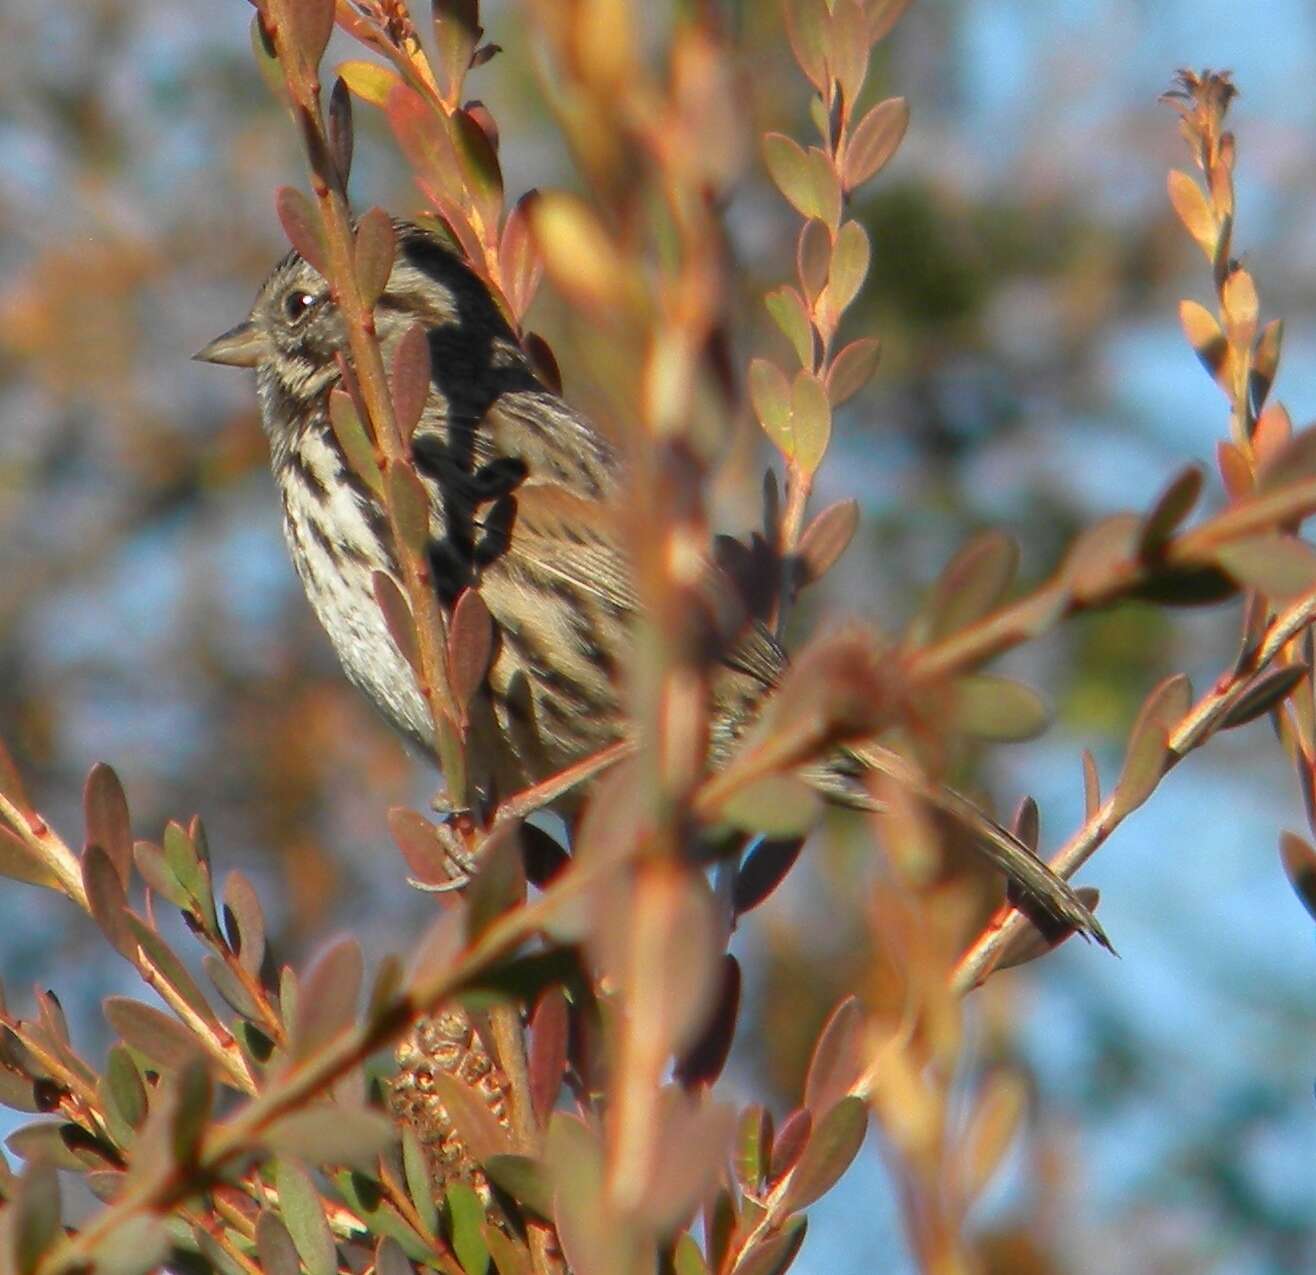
[241,346]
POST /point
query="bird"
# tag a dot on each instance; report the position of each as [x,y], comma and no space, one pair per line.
[523,493]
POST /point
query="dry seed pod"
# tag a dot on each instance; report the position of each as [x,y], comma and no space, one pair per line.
[446,1043]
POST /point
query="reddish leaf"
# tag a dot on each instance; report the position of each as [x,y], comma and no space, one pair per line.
[409,505]
[548,1051]
[518,260]
[838,1058]
[1170,508]
[470,1114]
[415,836]
[108,826]
[470,645]
[792,1138]
[312,23]
[834,1144]
[245,922]
[874,141]
[354,440]
[1300,867]
[158,1037]
[1029,942]
[301,223]
[1265,693]
[340,130]
[106,899]
[409,378]
[397,615]
[481,170]
[374,251]
[813,258]
[499,883]
[852,369]
[327,1003]
[456,33]
[826,538]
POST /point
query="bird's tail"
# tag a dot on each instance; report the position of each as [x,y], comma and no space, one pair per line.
[1040,893]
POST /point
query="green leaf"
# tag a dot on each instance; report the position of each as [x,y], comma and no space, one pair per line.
[527,1180]
[835,1142]
[787,307]
[849,268]
[467,1214]
[420,1185]
[35,1224]
[776,806]
[1279,567]
[156,1036]
[20,863]
[790,168]
[770,393]
[410,507]
[481,170]
[303,1215]
[331,1134]
[811,421]
[687,1259]
[988,706]
[355,442]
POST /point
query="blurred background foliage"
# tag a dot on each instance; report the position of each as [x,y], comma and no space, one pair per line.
[1026,270]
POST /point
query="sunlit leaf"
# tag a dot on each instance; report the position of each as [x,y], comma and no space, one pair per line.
[992,1128]
[1206,338]
[787,307]
[369,81]
[838,1057]
[1195,213]
[874,141]
[467,1215]
[577,251]
[834,1143]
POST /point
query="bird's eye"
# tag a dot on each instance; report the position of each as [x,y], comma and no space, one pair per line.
[297,303]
